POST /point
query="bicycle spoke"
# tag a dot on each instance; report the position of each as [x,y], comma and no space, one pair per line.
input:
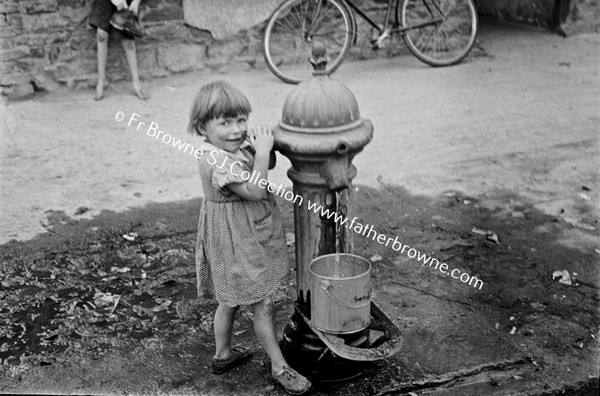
[287,25]
[441,42]
[449,39]
[437,7]
[322,16]
[292,29]
[448,47]
[302,17]
[304,11]
[428,8]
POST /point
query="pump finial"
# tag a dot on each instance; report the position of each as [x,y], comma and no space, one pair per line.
[318,58]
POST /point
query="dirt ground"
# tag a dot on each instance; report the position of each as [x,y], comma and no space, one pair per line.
[505,142]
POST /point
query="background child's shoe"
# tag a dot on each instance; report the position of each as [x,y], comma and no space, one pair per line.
[239,356]
[293,382]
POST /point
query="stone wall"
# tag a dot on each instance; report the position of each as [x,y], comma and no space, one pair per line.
[47,45]
[581,16]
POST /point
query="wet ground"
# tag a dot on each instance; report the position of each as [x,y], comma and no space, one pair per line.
[491,167]
[522,333]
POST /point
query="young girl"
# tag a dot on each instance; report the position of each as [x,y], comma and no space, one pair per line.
[241,252]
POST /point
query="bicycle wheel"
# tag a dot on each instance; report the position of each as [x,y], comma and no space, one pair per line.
[449,39]
[293,27]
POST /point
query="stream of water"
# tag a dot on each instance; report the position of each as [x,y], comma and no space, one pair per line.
[340,240]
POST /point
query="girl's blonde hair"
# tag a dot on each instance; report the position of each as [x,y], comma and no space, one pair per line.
[216,99]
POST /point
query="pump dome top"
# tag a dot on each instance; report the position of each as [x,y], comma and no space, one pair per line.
[320,104]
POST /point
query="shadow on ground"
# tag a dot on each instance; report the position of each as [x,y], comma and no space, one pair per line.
[87,310]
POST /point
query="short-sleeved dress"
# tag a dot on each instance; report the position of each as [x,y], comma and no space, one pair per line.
[241,253]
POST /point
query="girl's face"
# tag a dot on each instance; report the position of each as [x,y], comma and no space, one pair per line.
[227,133]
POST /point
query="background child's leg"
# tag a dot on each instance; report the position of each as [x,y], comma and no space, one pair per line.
[102,44]
[265,330]
[223,328]
[129,47]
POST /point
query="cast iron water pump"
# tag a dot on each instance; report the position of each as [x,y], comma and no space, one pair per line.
[320,132]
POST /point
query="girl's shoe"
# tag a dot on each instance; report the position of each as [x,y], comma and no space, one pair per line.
[240,355]
[292,381]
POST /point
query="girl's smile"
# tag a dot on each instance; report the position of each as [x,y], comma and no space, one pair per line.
[227,133]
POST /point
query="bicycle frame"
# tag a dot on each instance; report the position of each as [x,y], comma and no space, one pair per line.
[435,37]
[388,14]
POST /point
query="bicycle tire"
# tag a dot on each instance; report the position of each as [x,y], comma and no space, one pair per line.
[353,24]
[291,29]
[445,43]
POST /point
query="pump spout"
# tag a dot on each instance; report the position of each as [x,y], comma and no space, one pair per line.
[335,172]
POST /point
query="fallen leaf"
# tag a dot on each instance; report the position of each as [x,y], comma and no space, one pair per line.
[538,306]
[563,277]
[376,258]
[130,236]
[528,332]
[290,238]
[162,306]
[492,237]
[478,231]
[577,223]
[12,282]
[105,303]
[584,196]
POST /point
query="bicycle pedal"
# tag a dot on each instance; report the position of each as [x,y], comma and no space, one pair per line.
[381,41]
[377,45]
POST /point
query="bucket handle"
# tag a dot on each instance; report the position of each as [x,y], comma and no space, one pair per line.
[326,286]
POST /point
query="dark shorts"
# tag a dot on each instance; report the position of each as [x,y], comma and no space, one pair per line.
[102,11]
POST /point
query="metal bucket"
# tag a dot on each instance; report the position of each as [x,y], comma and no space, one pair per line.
[340,301]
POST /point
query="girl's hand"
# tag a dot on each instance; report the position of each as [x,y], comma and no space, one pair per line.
[261,139]
[120,4]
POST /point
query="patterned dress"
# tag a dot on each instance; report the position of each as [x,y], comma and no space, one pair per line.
[241,253]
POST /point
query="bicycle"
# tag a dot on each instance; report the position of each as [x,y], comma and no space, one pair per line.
[438,32]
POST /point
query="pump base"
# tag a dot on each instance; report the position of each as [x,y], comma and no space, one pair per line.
[308,355]
[324,357]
